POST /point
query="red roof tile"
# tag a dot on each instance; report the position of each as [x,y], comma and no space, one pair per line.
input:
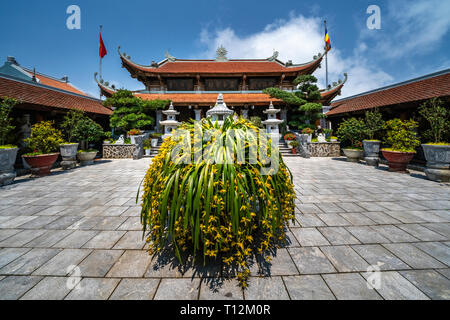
[59,84]
[414,90]
[46,96]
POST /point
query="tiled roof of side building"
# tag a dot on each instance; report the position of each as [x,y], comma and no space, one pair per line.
[423,88]
[41,94]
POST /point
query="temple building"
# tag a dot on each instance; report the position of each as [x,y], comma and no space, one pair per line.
[193,85]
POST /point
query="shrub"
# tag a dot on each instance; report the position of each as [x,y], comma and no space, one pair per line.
[70,122]
[220,211]
[134,132]
[256,121]
[294,144]
[290,136]
[87,130]
[156,135]
[307,131]
[352,131]
[374,123]
[438,116]
[6,106]
[147,144]
[44,138]
[402,135]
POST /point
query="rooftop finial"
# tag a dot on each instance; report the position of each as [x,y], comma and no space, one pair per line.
[221,54]
[169,57]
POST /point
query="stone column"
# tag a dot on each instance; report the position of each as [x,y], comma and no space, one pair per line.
[158,120]
[198,114]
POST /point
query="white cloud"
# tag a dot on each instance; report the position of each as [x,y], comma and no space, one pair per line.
[298,39]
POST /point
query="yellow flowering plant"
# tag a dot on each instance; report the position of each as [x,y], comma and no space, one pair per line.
[227,211]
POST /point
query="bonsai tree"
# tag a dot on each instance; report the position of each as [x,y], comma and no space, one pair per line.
[438,116]
[70,122]
[6,106]
[401,135]
[44,138]
[374,123]
[87,131]
[131,112]
[304,102]
[229,212]
[351,131]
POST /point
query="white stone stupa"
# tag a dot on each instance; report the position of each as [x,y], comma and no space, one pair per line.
[272,122]
[220,111]
[171,123]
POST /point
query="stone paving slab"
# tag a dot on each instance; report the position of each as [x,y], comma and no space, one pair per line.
[349,217]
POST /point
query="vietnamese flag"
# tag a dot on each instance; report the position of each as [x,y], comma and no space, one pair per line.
[102,51]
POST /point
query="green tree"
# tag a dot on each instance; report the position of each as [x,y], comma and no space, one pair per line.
[374,123]
[402,135]
[352,131]
[87,130]
[131,112]
[303,102]
[438,116]
[71,120]
[6,106]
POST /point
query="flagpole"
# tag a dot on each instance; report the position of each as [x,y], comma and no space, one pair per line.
[100,63]
[326,56]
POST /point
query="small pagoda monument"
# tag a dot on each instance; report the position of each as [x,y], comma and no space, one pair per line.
[272,122]
[220,111]
[171,123]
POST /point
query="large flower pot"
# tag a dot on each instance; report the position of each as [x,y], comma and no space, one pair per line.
[87,158]
[294,150]
[371,152]
[398,161]
[69,155]
[7,160]
[438,162]
[41,164]
[353,155]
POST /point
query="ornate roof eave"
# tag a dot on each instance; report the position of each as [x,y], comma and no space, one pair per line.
[106,90]
[335,90]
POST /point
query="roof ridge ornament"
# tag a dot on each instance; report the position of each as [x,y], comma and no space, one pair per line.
[169,56]
[274,56]
[221,54]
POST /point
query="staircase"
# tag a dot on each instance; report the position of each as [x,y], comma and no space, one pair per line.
[286,151]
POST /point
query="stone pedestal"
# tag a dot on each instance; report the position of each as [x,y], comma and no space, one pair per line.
[69,156]
[139,151]
[7,160]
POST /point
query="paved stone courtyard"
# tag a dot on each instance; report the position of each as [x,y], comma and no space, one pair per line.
[85,223]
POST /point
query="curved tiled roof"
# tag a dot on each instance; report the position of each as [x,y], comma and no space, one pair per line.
[427,87]
[41,94]
[237,66]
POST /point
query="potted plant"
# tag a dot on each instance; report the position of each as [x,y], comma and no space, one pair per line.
[351,131]
[402,137]
[154,139]
[8,152]
[69,148]
[294,145]
[45,141]
[374,123]
[147,147]
[437,150]
[288,137]
[133,133]
[108,136]
[308,132]
[87,131]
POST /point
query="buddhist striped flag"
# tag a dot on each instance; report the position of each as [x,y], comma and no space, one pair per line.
[327,40]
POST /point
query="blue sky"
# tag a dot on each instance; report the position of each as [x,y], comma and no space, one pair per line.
[413,40]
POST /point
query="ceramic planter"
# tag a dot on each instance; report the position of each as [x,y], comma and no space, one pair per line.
[41,164]
[147,152]
[353,155]
[438,162]
[371,152]
[294,150]
[87,158]
[7,160]
[69,155]
[154,142]
[398,161]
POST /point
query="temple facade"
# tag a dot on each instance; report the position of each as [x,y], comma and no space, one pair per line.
[193,85]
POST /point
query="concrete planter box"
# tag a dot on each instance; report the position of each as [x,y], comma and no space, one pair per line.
[438,162]
[7,160]
[69,155]
[371,152]
[87,158]
[353,155]
[41,164]
[398,161]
